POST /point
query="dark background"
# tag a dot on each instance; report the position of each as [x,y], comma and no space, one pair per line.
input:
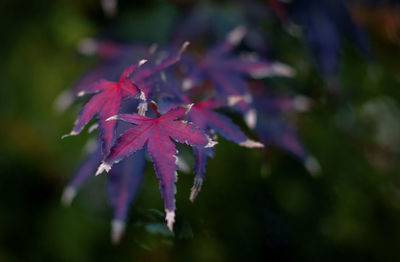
[255,205]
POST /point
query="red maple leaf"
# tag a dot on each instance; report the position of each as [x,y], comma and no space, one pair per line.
[109,95]
[157,134]
[105,103]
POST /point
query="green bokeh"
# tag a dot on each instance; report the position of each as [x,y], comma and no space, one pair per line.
[255,205]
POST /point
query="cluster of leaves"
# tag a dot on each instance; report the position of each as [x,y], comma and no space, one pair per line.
[146,97]
[326,24]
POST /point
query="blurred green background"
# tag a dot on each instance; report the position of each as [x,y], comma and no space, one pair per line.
[254,206]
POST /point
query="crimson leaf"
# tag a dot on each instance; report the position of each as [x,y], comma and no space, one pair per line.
[105,103]
[113,56]
[203,116]
[157,134]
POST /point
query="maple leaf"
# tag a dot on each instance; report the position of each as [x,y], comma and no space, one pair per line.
[274,129]
[84,172]
[105,102]
[326,24]
[156,134]
[124,181]
[272,126]
[204,116]
[145,76]
[227,72]
[269,103]
[204,21]
[114,57]
[123,184]
[201,156]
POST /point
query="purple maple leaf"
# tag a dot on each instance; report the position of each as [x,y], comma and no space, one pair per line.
[115,57]
[326,24]
[274,129]
[156,134]
[124,182]
[109,95]
[204,116]
[201,156]
[227,72]
[272,126]
[145,77]
[123,185]
[84,172]
[203,22]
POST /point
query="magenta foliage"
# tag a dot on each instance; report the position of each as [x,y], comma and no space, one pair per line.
[156,134]
[204,116]
[105,103]
[147,83]
[114,58]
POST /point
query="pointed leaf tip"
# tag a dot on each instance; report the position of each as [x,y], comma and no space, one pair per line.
[170,218]
[183,48]
[103,167]
[92,128]
[188,108]
[187,84]
[235,36]
[251,118]
[198,182]
[142,108]
[63,101]
[73,133]
[251,144]
[153,48]
[312,165]
[87,46]
[281,69]
[112,118]
[234,99]
[274,69]
[117,230]
[142,96]
[142,62]
[211,143]
[68,195]
[301,103]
